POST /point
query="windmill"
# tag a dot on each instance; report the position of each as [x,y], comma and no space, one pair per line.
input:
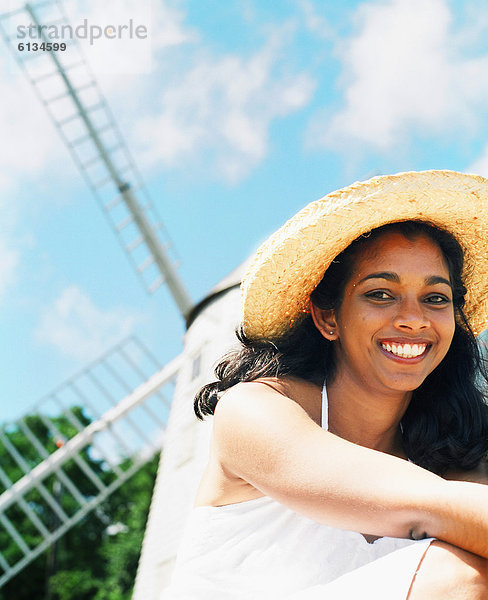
[76,106]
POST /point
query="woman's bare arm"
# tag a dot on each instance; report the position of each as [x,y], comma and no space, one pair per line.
[269,441]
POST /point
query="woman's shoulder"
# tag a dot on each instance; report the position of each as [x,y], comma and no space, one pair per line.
[272,394]
[253,425]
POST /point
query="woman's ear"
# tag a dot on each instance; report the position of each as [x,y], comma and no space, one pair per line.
[325,321]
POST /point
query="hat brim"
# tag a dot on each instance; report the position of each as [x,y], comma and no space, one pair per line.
[289,265]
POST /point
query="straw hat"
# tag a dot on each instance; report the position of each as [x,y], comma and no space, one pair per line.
[290,264]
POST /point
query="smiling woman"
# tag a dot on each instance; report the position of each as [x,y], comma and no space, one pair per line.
[352,404]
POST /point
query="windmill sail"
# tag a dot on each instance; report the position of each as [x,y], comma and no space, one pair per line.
[67,88]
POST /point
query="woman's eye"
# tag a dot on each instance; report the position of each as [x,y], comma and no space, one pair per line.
[379,295]
[437,299]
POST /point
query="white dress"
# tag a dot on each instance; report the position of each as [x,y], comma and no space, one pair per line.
[261,550]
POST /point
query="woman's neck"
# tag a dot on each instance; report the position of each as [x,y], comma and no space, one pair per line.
[366,418]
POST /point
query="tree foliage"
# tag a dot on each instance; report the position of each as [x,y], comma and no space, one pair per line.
[97,558]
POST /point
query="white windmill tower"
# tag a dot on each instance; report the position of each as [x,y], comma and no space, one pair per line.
[74,102]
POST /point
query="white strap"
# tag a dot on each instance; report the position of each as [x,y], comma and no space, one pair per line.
[325,409]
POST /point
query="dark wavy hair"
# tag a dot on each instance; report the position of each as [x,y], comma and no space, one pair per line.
[446,423]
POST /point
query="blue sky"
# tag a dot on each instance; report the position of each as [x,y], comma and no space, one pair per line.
[238,113]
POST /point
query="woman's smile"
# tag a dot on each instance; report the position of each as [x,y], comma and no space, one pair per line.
[408,351]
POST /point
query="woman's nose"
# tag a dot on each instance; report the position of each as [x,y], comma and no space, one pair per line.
[411,315]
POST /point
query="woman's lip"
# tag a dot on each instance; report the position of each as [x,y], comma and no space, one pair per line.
[403,341]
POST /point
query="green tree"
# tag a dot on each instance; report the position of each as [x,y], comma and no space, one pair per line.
[112,567]
[97,558]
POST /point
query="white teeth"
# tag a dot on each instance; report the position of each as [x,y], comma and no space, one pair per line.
[405,350]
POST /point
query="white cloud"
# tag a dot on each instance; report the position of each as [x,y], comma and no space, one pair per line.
[404,72]
[316,22]
[480,165]
[221,108]
[129,52]
[77,328]
[9,262]
[168,27]
[30,141]
[13,243]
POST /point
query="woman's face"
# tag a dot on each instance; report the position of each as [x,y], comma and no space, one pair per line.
[396,321]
